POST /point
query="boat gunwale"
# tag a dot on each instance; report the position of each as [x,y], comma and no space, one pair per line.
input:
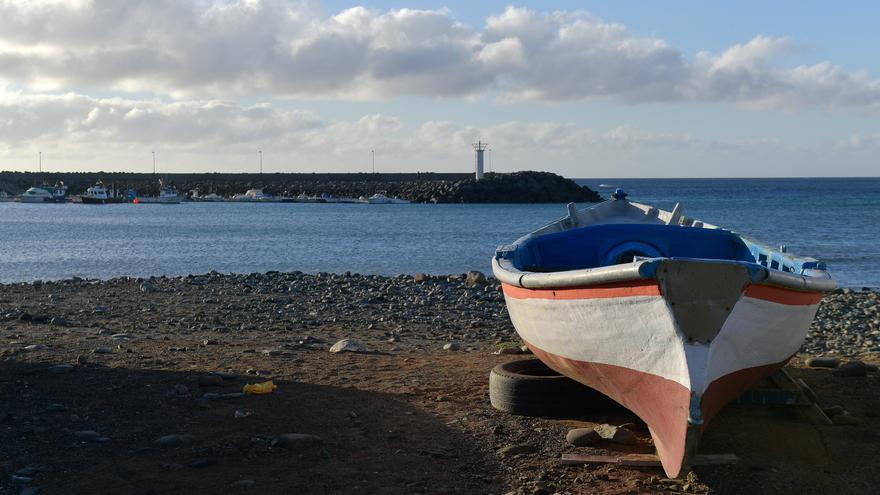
[814,278]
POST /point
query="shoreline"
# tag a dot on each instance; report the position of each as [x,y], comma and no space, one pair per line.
[847,322]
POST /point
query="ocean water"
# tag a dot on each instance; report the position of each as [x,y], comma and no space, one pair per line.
[836,220]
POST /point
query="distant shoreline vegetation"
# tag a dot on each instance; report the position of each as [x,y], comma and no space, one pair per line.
[419,187]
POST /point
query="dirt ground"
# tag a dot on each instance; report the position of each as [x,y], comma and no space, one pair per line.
[411,422]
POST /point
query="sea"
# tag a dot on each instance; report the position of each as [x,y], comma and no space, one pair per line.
[835,220]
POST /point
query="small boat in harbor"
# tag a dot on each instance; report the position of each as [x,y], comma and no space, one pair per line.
[253,196]
[36,195]
[669,316]
[97,195]
[381,199]
[168,195]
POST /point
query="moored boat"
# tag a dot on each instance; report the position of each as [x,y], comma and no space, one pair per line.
[97,195]
[36,195]
[669,316]
[381,199]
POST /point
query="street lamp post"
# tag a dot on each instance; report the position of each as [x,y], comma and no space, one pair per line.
[261,161]
[41,161]
[154,162]
[373,159]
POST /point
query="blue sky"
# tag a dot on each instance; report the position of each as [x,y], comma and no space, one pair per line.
[587,89]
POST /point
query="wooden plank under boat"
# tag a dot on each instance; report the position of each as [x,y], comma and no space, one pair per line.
[669,316]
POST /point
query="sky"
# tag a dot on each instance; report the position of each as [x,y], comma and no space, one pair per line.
[585,89]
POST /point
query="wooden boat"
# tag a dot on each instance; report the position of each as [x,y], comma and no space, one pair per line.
[669,316]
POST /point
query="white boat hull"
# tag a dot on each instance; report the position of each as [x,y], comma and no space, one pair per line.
[623,340]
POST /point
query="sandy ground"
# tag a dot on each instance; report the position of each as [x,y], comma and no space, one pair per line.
[399,420]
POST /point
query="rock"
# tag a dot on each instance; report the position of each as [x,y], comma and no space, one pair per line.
[582,437]
[87,435]
[295,440]
[99,310]
[507,350]
[232,395]
[525,349]
[243,484]
[29,491]
[823,362]
[420,278]
[616,434]
[147,286]
[473,278]
[452,346]
[58,321]
[516,449]
[60,368]
[35,347]
[102,350]
[82,359]
[202,462]
[846,419]
[273,352]
[349,345]
[852,368]
[174,440]
[209,380]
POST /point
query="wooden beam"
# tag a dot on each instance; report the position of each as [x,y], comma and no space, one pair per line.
[644,460]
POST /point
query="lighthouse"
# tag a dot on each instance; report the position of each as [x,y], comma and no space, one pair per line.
[479,147]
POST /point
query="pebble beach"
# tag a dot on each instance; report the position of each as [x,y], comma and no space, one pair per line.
[147,374]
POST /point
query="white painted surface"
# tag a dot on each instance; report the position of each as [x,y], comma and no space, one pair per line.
[632,332]
[639,333]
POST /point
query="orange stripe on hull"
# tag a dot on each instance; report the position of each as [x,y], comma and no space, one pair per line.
[783,296]
[624,289]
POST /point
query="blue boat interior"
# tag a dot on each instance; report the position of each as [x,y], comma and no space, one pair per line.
[611,244]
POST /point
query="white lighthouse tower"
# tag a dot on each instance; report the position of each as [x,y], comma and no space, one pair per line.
[479,147]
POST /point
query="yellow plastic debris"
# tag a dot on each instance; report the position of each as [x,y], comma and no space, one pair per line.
[259,388]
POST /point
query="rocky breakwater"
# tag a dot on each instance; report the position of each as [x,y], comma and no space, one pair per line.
[518,187]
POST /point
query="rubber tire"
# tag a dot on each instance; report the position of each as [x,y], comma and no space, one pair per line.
[528,387]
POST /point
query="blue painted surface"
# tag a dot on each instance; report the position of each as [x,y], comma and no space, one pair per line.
[603,245]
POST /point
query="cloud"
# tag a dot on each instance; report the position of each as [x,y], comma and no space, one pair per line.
[289,49]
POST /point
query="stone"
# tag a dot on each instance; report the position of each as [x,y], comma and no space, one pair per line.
[29,491]
[582,437]
[58,321]
[35,347]
[473,278]
[823,362]
[147,286]
[846,419]
[202,462]
[60,368]
[852,368]
[420,278]
[349,345]
[452,346]
[102,350]
[87,435]
[515,449]
[174,440]
[525,349]
[616,434]
[243,484]
[295,440]
[507,350]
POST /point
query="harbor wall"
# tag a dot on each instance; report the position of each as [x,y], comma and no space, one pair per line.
[423,187]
